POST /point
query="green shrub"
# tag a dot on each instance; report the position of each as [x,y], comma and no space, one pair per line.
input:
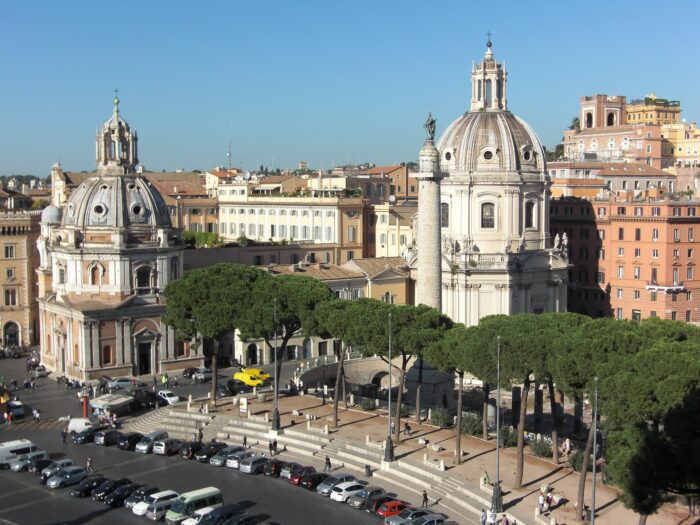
[472,424]
[509,437]
[541,448]
[405,412]
[367,403]
[576,460]
[440,418]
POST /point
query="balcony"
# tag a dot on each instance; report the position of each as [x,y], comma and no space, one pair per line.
[653,286]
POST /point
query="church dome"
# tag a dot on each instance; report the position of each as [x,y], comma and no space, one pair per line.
[125,201]
[51,215]
[490,140]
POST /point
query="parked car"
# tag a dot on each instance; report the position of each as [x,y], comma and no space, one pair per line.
[167,447]
[249,380]
[78,424]
[168,396]
[311,481]
[406,517]
[188,372]
[189,449]
[223,391]
[86,486]
[221,514]
[234,460]
[154,502]
[197,516]
[117,497]
[16,408]
[139,495]
[144,398]
[129,440]
[391,508]
[298,473]
[120,383]
[324,489]
[287,469]
[253,464]
[377,501]
[204,454]
[22,462]
[109,486]
[430,519]
[145,446]
[219,459]
[87,435]
[37,465]
[39,371]
[342,491]
[246,519]
[107,437]
[66,476]
[359,500]
[238,387]
[54,467]
[202,375]
[273,467]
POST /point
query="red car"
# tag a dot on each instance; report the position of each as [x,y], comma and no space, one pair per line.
[298,473]
[391,508]
[311,481]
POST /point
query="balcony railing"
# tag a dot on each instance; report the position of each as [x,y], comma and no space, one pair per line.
[655,286]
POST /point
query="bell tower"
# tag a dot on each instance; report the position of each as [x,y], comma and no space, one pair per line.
[116,145]
[488,83]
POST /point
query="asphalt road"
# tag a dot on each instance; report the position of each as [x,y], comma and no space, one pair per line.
[24,501]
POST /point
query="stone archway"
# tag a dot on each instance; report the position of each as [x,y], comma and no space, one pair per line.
[252,354]
[12,334]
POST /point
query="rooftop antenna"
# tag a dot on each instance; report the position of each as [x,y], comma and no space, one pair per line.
[228,155]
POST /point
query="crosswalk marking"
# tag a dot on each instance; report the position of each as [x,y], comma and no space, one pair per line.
[28,424]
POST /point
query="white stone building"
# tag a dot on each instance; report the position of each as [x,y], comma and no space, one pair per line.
[493,253]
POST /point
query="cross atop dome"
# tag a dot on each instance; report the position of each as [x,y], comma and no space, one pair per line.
[489,44]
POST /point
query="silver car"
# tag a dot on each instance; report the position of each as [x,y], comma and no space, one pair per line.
[406,517]
[54,467]
[66,476]
[156,511]
[358,501]
[22,462]
[145,446]
[324,488]
[429,519]
[234,460]
[253,464]
[219,459]
[167,447]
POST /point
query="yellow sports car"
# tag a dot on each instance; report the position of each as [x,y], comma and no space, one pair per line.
[256,373]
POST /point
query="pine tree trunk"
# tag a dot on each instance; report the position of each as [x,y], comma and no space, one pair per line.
[214,370]
[583,475]
[458,438]
[521,437]
[419,387]
[336,390]
[642,519]
[556,421]
[397,415]
[485,416]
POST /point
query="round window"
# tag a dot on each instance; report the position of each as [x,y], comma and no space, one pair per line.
[448,156]
[136,209]
[488,155]
[104,187]
[527,155]
[131,186]
[100,209]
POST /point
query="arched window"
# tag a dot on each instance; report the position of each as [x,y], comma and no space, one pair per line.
[487,93]
[444,215]
[478,91]
[589,120]
[529,214]
[143,280]
[488,215]
[611,119]
[174,269]
[95,274]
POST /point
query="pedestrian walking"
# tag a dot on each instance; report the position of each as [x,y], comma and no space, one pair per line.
[33,384]
[424,503]
[269,446]
[504,520]
[540,502]
[482,518]
[327,465]
[37,416]
[274,446]
[245,442]
[406,429]
[164,380]
[64,434]
[89,465]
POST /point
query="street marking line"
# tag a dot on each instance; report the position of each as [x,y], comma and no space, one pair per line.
[6,494]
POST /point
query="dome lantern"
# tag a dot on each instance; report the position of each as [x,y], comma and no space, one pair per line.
[116,145]
[489,83]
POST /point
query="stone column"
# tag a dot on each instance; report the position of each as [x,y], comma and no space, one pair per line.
[429,282]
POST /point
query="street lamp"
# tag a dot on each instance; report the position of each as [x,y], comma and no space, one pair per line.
[595,446]
[275,408]
[389,448]
[497,499]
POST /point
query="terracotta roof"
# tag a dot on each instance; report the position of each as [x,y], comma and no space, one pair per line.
[320,271]
[223,174]
[375,265]
[183,187]
[378,170]
[631,169]
[608,130]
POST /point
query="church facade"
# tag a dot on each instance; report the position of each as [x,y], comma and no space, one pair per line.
[484,213]
[106,255]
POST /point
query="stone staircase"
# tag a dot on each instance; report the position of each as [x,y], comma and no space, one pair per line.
[176,423]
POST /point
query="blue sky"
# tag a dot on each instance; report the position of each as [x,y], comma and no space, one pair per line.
[321,81]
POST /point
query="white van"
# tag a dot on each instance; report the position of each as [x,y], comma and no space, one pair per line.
[198,515]
[141,507]
[11,449]
[189,502]
[78,424]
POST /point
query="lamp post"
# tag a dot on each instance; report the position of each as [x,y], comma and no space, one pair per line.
[497,499]
[389,448]
[275,408]
[323,391]
[595,446]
